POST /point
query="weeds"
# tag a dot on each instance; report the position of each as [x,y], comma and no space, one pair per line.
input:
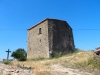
[24,67]
[39,58]
[56,55]
[7,62]
[80,60]
[77,51]
[90,65]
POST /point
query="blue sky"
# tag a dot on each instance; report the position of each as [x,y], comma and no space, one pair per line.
[16,16]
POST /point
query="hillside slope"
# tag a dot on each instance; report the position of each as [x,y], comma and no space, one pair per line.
[78,63]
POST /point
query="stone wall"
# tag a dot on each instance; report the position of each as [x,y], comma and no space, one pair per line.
[62,36]
[50,37]
[55,36]
[38,44]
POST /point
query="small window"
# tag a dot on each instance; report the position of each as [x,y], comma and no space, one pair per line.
[40,31]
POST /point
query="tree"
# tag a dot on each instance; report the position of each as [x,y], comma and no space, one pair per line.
[19,54]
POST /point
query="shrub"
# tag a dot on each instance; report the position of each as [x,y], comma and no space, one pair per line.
[20,54]
[56,54]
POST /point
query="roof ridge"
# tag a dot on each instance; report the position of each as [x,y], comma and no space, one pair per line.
[45,20]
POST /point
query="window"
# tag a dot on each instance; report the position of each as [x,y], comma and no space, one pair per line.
[40,31]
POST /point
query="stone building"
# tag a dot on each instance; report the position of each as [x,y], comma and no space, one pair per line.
[49,36]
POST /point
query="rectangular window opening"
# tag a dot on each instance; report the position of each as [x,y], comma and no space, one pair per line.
[40,31]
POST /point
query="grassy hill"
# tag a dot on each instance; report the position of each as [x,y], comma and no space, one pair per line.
[79,60]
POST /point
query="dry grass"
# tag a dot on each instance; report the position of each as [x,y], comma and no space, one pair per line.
[80,60]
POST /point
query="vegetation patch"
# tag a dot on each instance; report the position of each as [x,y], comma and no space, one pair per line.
[7,62]
[91,63]
[56,54]
[24,67]
[81,60]
[20,54]
[37,59]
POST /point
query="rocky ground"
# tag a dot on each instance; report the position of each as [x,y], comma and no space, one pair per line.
[55,69]
[60,70]
[12,70]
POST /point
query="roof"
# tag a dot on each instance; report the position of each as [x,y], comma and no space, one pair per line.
[45,20]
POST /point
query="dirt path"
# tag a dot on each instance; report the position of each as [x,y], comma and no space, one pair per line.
[57,69]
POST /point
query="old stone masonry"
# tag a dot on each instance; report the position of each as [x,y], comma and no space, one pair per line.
[48,37]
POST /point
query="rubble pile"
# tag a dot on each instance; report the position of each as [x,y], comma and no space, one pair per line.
[97,53]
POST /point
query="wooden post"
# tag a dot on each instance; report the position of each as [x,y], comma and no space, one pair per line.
[8,51]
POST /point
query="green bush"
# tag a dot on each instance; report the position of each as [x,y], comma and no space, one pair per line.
[20,54]
[56,54]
